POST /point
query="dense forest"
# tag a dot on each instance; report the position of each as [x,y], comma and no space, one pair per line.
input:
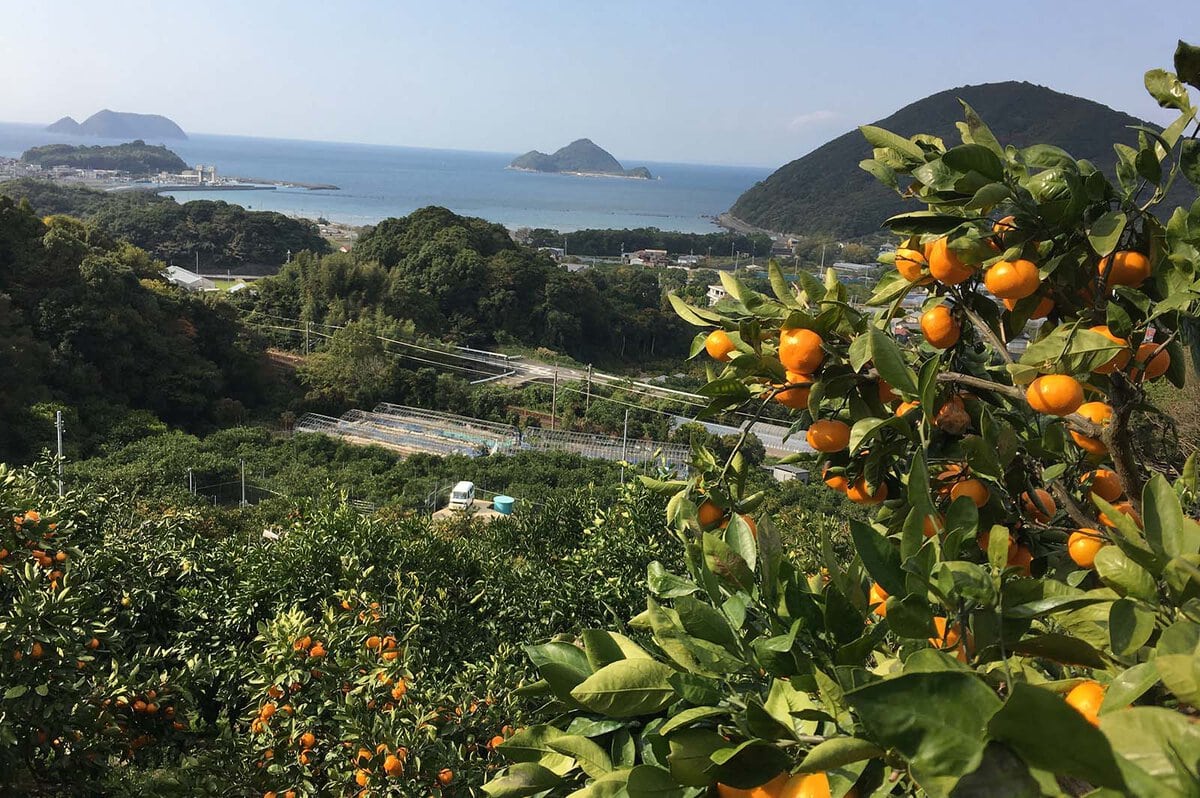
[85,323]
[216,235]
[464,280]
[611,243]
[826,192]
[135,157]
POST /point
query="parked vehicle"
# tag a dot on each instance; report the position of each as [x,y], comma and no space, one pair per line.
[462,496]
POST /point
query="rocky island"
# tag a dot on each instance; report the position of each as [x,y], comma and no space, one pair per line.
[136,157]
[120,125]
[580,157]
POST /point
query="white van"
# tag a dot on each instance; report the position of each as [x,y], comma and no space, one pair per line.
[463,496]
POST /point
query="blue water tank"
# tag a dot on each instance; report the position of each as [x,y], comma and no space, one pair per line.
[503,504]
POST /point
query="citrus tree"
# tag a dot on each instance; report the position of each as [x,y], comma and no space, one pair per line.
[1021,616]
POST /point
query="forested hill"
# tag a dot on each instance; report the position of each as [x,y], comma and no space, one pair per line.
[826,192]
[218,235]
[136,157]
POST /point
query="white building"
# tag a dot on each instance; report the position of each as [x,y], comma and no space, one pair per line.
[189,281]
[716,293]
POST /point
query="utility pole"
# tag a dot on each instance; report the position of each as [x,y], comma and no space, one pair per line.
[588,403]
[307,328]
[624,445]
[822,257]
[243,462]
[58,428]
[191,483]
[554,400]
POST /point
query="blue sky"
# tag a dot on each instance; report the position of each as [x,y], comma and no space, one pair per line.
[698,81]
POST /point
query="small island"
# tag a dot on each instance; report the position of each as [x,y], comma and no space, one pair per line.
[136,157]
[581,157]
[120,125]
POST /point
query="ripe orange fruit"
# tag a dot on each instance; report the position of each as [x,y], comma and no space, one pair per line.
[1000,231]
[836,481]
[972,488]
[302,643]
[771,789]
[940,328]
[308,740]
[1014,279]
[362,778]
[495,741]
[318,650]
[445,776]
[1082,546]
[1034,508]
[828,435]
[392,765]
[806,785]
[886,394]
[948,638]
[876,599]
[36,651]
[1155,365]
[267,711]
[709,514]
[399,690]
[1044,306]
[1055,394]
[911,264]
[945,265]
[719,345]
[796,398]
[1097,413]
[1086,698]
[931,525]
[1117,361]
[800,350]
[1020,556]
[1105,484]
[859,493]
[1124,508]
[905,407]
[1128,268]
[374,643]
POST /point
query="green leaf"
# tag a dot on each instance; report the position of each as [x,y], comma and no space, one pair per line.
[689,716]
[690,757]
[1106,231]
[1051,735]
[694,315]
[730,388]
[1001,775]
[838,751]
[665,584]
[1180,673]
[561,664]
[1061,648]
[889,361]
[750,764]
[779,285]
[627,688]
[1187,63]
[974,158]
[532,744]
[1155,739]
[1162,516]
[15,692]
[878,137]
[725,563]
[880,171]
[702,621]
[880,557]
[1166,90]
[935,720]
[524,778]
[592,758]
[603,648]
[648,781]
[1129,626]
[1124,575]
[1128,686]
[979,132]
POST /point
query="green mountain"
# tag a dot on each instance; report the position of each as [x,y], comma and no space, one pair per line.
[120,125]
[135,157]
[580,156]
[826,192]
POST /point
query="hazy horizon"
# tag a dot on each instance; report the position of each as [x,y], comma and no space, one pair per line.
[673,82]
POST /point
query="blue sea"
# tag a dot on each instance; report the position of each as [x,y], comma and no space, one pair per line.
[376,182]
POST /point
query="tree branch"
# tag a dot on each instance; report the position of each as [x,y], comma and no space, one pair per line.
[1075,421]
[1069,504]
[988,333]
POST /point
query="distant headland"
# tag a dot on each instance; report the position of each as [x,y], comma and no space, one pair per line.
[580,157]
[120,125]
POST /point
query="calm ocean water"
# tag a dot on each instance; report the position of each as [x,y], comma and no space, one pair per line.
[377,182]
